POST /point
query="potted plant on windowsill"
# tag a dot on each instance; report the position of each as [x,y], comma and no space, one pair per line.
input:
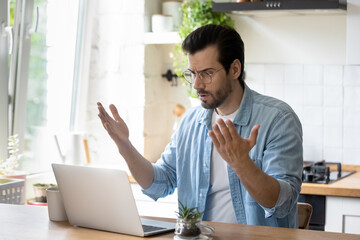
[8,166]
[40,191]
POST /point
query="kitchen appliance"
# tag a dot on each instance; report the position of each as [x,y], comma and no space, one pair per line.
[337,5]
[320,172]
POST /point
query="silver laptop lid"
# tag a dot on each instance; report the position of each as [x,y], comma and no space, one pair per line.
[98,198]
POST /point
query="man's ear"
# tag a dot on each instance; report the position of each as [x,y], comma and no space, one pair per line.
[235,69]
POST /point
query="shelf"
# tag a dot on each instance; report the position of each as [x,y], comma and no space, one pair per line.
[161,38]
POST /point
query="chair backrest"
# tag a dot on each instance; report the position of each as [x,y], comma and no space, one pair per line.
[304,214]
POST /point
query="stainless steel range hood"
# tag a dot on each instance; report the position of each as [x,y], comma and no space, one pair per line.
[280,5]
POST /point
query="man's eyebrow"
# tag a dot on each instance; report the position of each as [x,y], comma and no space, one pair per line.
[203,70]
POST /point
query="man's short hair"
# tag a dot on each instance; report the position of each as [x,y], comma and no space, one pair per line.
[227,40]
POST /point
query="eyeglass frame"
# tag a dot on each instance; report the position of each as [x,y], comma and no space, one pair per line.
[200,76]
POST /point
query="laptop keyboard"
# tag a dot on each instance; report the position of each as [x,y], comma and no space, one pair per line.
[149,228]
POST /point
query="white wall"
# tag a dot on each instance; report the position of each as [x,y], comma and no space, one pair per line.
[126,72]
[353,32]
[160,99]
[293,38]
[116,74]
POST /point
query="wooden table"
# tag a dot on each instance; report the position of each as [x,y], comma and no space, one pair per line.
[32,222]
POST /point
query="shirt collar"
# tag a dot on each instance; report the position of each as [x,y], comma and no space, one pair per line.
[241,118]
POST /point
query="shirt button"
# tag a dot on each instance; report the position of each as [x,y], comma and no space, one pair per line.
[205,165]
[201,195]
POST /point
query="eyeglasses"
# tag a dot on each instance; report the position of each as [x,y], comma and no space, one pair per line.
[205,76]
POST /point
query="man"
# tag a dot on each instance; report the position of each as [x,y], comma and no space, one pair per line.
[220,159]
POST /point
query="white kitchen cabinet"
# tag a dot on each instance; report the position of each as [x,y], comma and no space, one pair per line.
[342,214]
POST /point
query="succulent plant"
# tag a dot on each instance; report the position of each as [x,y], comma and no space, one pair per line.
[187,222]
[188,213]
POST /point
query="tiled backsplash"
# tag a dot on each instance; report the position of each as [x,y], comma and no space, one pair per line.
[327,100]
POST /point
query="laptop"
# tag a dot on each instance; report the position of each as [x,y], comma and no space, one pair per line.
[101,198]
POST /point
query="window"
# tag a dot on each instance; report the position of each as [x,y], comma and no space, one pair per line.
[41,77]
[4,76]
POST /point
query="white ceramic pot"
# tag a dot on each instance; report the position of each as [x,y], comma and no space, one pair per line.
[161,23]
[173,8]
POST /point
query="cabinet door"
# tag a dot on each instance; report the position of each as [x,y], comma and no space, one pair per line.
[351,224]
[342,215]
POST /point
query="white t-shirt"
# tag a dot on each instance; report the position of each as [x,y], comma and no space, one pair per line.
[219,207]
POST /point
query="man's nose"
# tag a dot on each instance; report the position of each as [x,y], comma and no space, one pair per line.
[197,82]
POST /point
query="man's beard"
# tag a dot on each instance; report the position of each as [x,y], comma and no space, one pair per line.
[218,98]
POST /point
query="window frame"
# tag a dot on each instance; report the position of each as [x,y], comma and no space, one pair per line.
[4,76]
[14,71]
[19,68]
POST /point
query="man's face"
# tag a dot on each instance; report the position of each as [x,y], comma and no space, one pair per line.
[215,93]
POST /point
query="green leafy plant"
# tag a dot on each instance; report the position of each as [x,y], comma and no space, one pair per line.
[195,13]
[188,213]
[187,221]
[12,162]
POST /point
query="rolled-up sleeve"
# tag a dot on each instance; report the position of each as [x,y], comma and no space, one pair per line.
[164,182]
[283,160]
[280,207]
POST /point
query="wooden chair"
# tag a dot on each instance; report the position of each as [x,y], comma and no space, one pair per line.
[304,214]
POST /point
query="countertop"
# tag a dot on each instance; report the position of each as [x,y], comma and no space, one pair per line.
[346,187]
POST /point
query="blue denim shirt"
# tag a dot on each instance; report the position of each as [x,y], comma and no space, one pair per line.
[185,163]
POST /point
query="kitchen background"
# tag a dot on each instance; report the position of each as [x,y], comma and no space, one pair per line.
[304,60]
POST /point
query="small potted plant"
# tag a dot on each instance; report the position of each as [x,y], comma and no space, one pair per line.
[188,219]
[40,191]
[8,165]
